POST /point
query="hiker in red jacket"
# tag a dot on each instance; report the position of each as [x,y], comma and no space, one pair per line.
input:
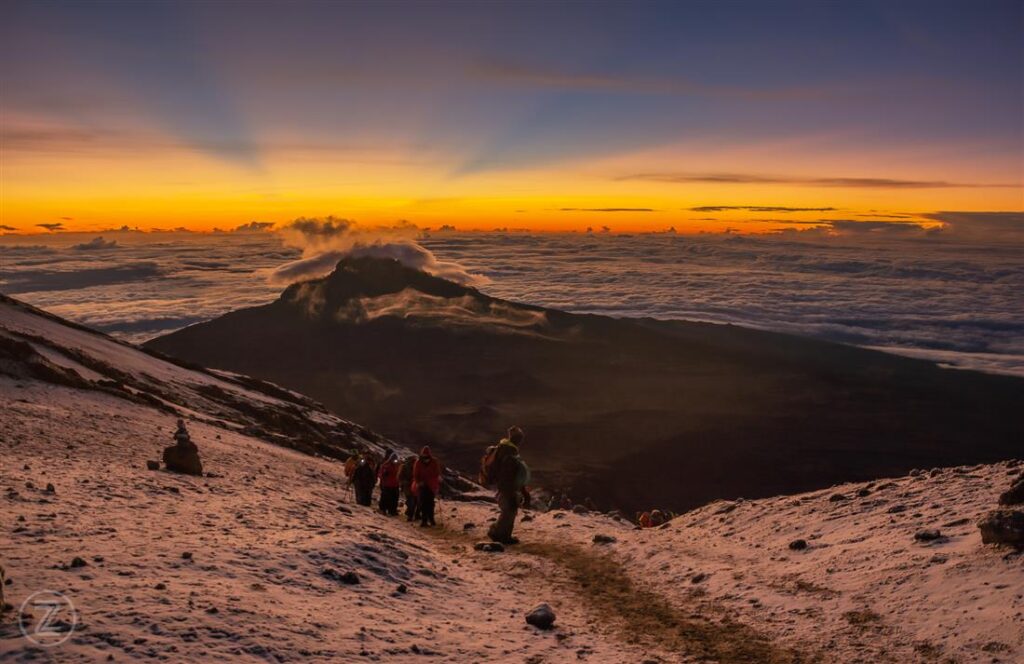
[426,484]
[388,476]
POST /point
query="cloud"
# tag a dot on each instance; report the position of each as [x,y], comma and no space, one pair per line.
[874,227]
[326,241]
[607,210]
[465,311]
[94,244]
[52,227]
[28,281]
[5,227]
[837,182]
[254,227]
[759,208]
[981,226]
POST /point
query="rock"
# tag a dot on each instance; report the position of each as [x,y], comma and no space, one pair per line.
[863,493]
[78,561]
[349,578]
[956,522]
[836,497]
[896,509]
[160,586]
[541,617]
[928,535]
[402,588]
[915,472]
[1003,527]
[50,488]
[468,526]
[798,544]
[183,457]
[699,577]
[938,559]
[527,517]
[186,555]
[490,547]
[579,509]
[344,510]
[604,539]
[1014,495]
[152,465]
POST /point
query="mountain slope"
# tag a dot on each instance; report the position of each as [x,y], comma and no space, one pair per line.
[630,413]
[271,533]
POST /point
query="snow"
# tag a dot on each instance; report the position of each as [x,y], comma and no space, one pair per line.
[272,531]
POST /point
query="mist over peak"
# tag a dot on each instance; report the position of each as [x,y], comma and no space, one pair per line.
[325,241]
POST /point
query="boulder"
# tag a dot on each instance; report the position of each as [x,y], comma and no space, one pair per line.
[183,459]
[928,535]
[541,617]
[1014,495]
[1003,527]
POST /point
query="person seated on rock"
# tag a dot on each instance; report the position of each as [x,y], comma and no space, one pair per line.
[426,484]
[657,518]
[388,476]
[183,455]
[363,480]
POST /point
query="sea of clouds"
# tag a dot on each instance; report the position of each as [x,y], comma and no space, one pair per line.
[956,300]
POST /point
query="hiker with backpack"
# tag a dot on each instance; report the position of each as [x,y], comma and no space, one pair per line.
[405,481]
[363,480]
[503,468]
[387,474]
[426,484]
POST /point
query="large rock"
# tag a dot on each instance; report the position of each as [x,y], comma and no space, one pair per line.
[541,617]
[1014,495]
[1003,527]
[183,459]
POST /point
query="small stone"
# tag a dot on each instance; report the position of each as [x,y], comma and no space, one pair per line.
[938,559]
[77,561]
[579,509]
[50,488]
[864,493]
[468,526]
[541,617]
[699,577]
[402,588]
[927,535]
[527,517]
[160,586]
[798,544]
[896,509]
[490,547]
[604,539]
[186,555]
[152,465]
[836,497]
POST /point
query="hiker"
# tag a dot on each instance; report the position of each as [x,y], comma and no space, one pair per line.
[426,484]
[502,467]
[405,481]
[183,456]
[388,476]
[363,479]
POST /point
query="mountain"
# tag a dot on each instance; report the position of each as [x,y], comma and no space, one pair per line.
[629,412]
[266,558]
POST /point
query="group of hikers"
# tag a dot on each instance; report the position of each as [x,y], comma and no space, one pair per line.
[417,479]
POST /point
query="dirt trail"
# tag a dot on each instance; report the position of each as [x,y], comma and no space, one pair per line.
[639,616]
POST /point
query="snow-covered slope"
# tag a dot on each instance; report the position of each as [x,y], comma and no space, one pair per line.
[250,562]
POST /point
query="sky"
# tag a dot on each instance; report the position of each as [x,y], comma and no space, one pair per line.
[703,117]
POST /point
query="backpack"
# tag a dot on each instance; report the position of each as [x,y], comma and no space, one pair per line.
[522,472]
[487,466]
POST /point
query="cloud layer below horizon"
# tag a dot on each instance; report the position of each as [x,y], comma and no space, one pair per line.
[942,295]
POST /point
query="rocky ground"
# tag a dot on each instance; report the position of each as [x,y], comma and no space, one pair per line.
[268,559]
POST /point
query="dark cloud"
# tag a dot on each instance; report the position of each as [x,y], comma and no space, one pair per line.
[981,226]
[610,209]
[56,226]
[840,182]
[29,281]
[759,208]
[254,227]
[5,227]
[94,244]
[873,226]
